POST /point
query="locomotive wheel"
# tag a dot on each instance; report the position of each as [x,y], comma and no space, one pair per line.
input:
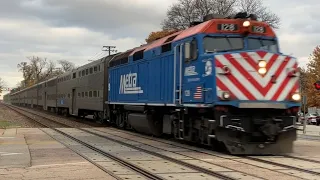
[100,117]
[95,116]
[121,120]
[155,124]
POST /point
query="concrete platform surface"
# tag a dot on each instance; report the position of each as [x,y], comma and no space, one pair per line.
[29,153]
[312,133]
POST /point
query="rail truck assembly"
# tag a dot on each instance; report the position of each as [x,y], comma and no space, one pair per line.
[222,81]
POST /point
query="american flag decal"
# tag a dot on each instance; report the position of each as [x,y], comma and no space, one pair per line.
[198,93]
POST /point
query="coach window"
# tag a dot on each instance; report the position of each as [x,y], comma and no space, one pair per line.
[94,93]
[91,70]
[79,73]
[87,72]
[86,93]
[99,67]
[95,69]
[74,75]
[79,94]
[83,73]
[90,93]
[83,94]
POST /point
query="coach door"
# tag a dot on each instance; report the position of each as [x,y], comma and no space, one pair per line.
[73,101]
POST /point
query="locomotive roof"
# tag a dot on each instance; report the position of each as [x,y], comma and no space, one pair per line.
[209,26]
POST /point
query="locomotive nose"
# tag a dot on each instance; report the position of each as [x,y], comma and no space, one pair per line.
[258,75]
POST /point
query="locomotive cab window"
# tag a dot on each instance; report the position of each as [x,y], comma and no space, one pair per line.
[191,50]
[264,44]
[138,55]
[222,44]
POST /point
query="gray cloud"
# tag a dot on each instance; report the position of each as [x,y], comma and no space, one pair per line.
[121,19]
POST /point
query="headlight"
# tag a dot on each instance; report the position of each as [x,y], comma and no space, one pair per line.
[246,23]
[296,97]
[225,95]
[262,63]
[262,70]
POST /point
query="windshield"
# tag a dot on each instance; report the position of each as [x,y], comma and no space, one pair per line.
[269,45]
[216,44]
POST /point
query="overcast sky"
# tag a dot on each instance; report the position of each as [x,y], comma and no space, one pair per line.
[76,30]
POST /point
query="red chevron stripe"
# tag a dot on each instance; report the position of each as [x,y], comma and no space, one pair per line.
[295,88]
[272,61]
[249,60]
[222,86]
[283,85]
[245,73]
[262,54]
[218,64]
[278,72]
[239,85]
[251,79]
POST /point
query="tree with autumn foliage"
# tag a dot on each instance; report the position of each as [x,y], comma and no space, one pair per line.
[309,77]
[158,35]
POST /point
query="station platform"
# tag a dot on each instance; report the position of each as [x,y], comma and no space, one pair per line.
[30,154]
[312,132]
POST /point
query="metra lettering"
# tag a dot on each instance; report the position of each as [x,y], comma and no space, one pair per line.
[190,71]
[128,84]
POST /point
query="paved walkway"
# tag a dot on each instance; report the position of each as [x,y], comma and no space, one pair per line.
[30,154]
[312,132]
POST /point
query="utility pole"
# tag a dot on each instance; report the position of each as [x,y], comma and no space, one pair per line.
[109,49]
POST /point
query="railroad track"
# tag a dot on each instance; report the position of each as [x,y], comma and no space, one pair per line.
[45,123]
[301,158]
[149,175]
[116,132]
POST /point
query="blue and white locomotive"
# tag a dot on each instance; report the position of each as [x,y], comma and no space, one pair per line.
[220,81]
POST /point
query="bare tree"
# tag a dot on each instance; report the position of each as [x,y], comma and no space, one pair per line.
[38,65]
[2,84]
[257,7]
[40,69]
[66,65]
[184,12]
[26,70]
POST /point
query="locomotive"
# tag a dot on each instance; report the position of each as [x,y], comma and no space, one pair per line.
[220,81]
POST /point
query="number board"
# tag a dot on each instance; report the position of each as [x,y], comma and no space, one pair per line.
[259,29]
[228,27]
